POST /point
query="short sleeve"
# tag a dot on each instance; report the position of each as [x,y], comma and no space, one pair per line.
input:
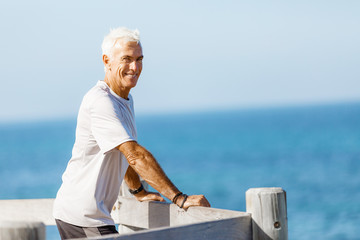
[109,124]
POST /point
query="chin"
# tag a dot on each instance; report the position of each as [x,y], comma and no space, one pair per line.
[132,85]
[129,83]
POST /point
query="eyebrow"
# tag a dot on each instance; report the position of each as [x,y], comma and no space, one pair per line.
[127,56]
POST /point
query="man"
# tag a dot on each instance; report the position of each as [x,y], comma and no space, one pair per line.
[106,150]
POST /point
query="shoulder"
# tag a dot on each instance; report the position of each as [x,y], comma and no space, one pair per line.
[99,94]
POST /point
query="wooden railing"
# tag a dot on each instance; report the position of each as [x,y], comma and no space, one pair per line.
[266,218]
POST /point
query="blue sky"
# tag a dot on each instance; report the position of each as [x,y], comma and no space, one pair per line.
[199,55]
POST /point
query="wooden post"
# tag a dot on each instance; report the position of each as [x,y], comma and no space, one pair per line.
[268,211]
[124,192]
[22,230]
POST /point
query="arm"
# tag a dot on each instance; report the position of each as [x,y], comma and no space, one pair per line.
[143,163]
[133,181]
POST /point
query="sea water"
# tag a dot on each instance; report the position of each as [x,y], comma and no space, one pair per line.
[312,152]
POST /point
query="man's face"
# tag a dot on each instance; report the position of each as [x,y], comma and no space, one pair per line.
[126,64]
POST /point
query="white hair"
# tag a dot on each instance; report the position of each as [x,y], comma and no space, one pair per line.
[111,40]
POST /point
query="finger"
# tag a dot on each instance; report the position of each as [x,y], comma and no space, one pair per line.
[206,203]
[161,199]
[152,197]
[197,200]
[157,197]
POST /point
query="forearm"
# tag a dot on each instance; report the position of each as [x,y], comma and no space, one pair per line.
[143,163]
[132,179]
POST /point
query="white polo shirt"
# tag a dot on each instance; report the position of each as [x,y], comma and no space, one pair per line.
[93,176]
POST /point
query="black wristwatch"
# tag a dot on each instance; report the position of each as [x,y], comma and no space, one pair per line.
[136,191]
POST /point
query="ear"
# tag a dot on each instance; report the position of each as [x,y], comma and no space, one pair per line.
[106,60]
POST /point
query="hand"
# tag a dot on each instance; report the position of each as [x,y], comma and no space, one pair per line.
[148,196]
[193,200]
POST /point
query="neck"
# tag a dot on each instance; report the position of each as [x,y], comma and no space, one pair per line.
[120,91]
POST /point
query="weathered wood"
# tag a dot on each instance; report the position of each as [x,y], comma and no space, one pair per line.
[147,215]
[22,230]
[132,213]
[230,229]
[124,192]
[268,211]
[124,189]
[122,228]
[266,218]
[27,210]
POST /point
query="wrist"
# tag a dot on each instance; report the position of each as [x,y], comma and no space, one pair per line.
[139,196]
[136,191]
[176,196]
[179,199]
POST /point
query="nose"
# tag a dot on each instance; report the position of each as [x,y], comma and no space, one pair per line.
[134,65]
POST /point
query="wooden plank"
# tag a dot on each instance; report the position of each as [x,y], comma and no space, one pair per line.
[238,228]
[124,192]
[157,214]
[22,230]
[27,210]
[128,229]
[128,211]
[179,216]
[268,210]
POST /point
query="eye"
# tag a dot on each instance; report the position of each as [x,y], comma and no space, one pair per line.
[139,59]
[126,59]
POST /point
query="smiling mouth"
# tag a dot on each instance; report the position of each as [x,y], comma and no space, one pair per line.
[131,75]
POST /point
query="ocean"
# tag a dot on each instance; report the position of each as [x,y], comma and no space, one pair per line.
[312,152]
